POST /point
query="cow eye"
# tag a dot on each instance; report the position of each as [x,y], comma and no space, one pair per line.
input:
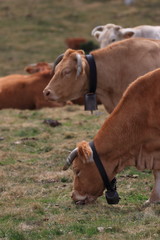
[66,71]
[77,172]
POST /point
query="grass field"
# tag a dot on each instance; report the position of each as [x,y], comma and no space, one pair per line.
[35,201]
[33,31]
[35,193]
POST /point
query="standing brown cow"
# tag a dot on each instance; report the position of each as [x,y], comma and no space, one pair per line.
[129,137]
[117,66]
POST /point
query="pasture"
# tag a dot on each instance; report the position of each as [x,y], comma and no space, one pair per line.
[35,193]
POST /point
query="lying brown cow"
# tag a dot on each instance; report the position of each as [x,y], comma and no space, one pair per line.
[26,91]
[32,68]
[129,137]
[39,67]
[117,65]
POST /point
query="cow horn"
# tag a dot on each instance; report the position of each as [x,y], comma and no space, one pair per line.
[70,159]
[58,59]
[79,64]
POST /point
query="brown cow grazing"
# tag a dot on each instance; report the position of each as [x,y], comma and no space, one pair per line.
[117,66]
[130,136]
[25,91]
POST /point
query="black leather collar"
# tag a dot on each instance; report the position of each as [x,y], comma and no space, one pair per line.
[90,98]
[111,194]
[92,73]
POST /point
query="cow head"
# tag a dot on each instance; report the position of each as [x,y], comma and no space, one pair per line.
[69,80]
[38,67]
[88,185]
[105,34]
[110,33]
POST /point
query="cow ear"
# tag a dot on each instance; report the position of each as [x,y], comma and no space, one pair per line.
[117,28]
[85,152]
[97,35]
[32,68]
[69,51]
[127,33]
[81,52]
[97,29]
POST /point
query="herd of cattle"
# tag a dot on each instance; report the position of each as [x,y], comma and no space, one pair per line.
[128,85]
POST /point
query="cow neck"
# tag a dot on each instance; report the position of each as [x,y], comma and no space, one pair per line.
[111,194]
[92,73]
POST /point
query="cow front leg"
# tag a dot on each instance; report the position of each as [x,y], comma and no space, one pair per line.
[155,194]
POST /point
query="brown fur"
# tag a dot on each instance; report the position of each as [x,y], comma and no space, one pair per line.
[74,43]
[25,91]
[38,67]
[129,137]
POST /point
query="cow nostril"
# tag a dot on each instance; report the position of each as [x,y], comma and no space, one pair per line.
[48,93]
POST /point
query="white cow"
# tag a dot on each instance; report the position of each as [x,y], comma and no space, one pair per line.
[106,34]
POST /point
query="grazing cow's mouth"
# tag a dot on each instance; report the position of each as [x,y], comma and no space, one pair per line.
[85,201]
[82,200]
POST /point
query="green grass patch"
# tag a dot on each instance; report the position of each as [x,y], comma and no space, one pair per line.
[28,131]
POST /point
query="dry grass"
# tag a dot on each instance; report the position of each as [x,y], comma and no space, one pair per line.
[35,193]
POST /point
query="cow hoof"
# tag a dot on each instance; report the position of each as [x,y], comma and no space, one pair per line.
[147,203]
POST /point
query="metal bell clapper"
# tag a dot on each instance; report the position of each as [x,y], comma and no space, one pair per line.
[90,102]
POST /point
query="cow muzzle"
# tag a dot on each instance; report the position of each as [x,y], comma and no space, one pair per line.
[82,199]
[49,95]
